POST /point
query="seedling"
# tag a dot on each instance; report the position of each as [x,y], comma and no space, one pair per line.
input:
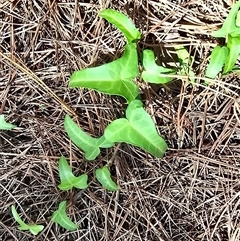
[185,61]
[104,177]
[91,146]
[152,72]
[33,228]
[227,55]
[137,129]
[4,125]
[68,180]
[116,78]
[231,24]
[217,60]
[113,78]
[60,217]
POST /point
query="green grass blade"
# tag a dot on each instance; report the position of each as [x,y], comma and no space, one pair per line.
[138,129]
[114,78]
[152,72]
[217,60]
[60,217]
[123,23]
[104,177]
[4,125]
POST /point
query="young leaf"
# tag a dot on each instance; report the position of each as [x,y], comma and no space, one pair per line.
[84,141]
[68,180]
[230,25]
[114,78]
[4,125]
[238,19]
[217,60]
[33,228]
[60,217]
[185,62]
[152,72]
[234,50]
[123,23]
[137,129]
[104,177]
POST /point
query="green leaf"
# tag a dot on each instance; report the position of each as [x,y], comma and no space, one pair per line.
[137,129]
[60,217]
[104,177]
[230,25]
[103,143]
[238,19]
[33,228]
[123,23]
[152,72]
[68,180]
[217,60]
[185,62]
[4,125]
[114,78]
[84,141]
[234,51]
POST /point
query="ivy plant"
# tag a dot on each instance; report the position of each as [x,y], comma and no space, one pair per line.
[226,56]
[137,127]
[123,23]
[68,180]
[185,61]
[152,72]
[60,217]
[116,78]
[217,60]
[104,177]
[91,146]
[33,228]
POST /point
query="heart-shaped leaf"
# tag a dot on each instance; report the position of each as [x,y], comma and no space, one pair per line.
[114,78]
[4,125]
[123,23]
[230,25]
[33,228]
[104,177]
[137,129]
[152,72]
[84,141]
[233,45]
[60,217]
[68,180]
[217,60]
